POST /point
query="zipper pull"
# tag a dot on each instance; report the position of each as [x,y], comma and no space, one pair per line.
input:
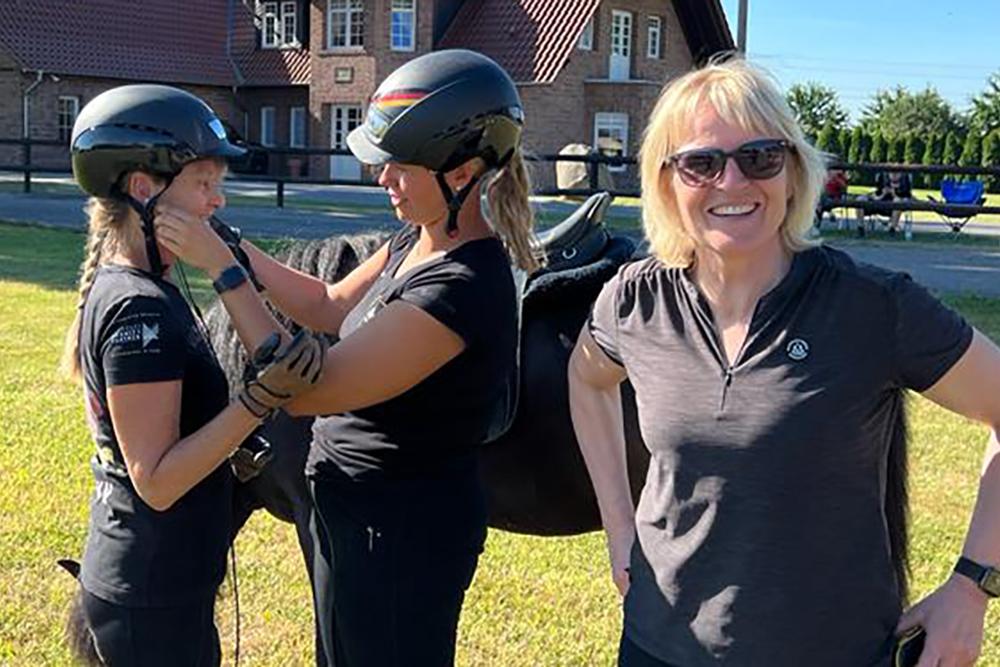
[372,534]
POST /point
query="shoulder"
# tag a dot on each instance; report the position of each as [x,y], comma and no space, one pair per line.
[861,279]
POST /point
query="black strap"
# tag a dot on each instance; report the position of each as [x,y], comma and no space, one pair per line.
[455,200]
[147,211]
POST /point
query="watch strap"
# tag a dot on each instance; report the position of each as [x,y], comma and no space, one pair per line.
[230,278]
[987,578]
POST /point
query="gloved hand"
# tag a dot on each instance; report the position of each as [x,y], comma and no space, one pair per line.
[282,374]
[232,237]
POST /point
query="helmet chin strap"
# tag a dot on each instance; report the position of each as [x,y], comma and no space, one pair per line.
[455,200]
[146,213]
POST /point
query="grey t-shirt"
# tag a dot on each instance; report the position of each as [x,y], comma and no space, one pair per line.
[761,536]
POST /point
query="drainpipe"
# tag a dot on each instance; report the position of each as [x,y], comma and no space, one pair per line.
[39,75]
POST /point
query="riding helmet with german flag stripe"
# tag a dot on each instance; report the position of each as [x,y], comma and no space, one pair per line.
[440,110]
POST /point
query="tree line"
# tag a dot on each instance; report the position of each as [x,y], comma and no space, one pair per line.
[905,127]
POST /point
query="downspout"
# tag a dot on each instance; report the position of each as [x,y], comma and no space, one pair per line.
[39,75]
[237,73]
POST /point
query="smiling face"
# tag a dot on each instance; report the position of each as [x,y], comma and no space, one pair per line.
[413,192]
[733,215]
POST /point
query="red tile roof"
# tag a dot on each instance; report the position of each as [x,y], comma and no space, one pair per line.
[531,39]
[170,41]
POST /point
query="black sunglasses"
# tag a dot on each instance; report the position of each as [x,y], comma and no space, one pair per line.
[759,160]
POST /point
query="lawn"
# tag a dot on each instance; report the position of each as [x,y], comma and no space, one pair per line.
[535,601]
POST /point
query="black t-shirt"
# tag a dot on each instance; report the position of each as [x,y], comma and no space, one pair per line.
[135,329]
[434,426]
[762,537]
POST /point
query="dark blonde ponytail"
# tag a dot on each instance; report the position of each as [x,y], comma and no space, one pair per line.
[106,233]
[512,215]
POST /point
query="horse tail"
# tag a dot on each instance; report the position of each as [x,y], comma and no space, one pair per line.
[897,500]
[78,634]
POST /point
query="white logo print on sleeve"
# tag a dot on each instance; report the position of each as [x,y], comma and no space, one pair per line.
[140,334]
[797,349]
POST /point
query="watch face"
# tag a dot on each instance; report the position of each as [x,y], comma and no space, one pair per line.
[991,582]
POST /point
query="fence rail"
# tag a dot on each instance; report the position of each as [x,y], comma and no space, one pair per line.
[27,166]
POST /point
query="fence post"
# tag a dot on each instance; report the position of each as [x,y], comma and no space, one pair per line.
[281,193]
[592,175]
[26,154]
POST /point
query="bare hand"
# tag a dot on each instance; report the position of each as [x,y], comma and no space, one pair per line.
[620,551]
[191,239]
[953,618]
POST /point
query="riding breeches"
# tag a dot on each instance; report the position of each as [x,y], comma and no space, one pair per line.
[392,567]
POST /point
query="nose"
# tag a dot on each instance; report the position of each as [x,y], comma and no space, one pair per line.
[217,198]
[386,174]
[732,175]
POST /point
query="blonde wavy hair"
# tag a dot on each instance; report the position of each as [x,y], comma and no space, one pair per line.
[742,95]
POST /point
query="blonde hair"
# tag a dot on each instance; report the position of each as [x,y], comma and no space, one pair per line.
[511,212]
[109,231]
[741,95]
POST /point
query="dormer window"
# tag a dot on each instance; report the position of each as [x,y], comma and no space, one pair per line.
[586,41]
[279,24]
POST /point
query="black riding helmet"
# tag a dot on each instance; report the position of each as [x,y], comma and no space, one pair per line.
[152,128]
[438,111]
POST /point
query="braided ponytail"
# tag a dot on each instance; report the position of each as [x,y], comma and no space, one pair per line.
[512,214]
[106,234]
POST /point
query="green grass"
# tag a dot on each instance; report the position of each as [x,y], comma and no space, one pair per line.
[535,601]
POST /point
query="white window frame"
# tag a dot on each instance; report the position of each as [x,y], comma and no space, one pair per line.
[586,41]
[278,23]
[610,122]
[297,127]
[267,118]
[404,10]
[351,16]
[654,37]
[66,130]
[622,34]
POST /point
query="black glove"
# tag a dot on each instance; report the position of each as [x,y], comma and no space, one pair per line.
[283,373]
[232,236]
[251,456]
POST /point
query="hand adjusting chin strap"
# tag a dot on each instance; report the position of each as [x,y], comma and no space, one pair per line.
[455,200]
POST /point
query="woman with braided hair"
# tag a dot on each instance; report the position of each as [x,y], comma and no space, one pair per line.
[424,370]
[156,399]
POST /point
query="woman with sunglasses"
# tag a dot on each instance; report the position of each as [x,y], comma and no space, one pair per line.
[769,375]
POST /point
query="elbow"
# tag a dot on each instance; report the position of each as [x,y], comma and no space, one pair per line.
[148,490]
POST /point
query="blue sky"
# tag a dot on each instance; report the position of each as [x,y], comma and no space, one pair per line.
[859,46]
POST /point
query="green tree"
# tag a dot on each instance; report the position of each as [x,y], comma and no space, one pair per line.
[972,151]
[860,151]
[900,112]
[985,113]
[913,153]
[829,140]
[846,137]
[878,148]
[991,158]
[932,156]
[952,149]
[816,106]
[896,152]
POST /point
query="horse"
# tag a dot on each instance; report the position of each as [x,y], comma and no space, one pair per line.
[535,477]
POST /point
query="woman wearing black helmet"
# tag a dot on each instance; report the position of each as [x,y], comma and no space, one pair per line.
[420,378]
[156,399]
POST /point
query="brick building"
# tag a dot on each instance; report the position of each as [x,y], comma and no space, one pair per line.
[290,73]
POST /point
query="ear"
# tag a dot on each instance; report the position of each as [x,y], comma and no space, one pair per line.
[141,186]
[460,176]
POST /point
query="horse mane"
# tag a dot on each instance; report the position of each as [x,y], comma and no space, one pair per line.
[329,259]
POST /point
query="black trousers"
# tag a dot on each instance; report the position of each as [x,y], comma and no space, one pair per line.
[630,655]
[392,564]
[154,636]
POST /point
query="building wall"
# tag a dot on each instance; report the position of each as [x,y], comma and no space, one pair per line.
[283,99]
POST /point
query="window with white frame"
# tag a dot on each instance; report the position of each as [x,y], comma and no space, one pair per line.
[67,111]
[654,37]
[586,41]
[279,24]
[344,24]
[267,126]
[297,127]
[403,25]
[611,135]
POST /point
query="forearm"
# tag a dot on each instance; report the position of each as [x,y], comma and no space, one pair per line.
[253,321]
[194,458]
[982,543]
[303,298]
[599,426]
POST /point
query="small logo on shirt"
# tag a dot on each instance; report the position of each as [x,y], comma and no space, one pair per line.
[797,349]
[150,333]
[137,335]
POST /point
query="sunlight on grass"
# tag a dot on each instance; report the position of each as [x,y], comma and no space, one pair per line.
[534,601]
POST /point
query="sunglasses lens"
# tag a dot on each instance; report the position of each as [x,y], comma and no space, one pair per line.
[761,160]
[697,167]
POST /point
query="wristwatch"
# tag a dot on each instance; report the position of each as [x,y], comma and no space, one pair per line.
[987,578]
[230,278]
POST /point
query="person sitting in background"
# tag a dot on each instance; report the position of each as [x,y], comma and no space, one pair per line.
[834,189]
